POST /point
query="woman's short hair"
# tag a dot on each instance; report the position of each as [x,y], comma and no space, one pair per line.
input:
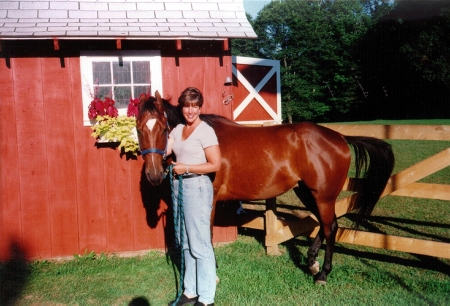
[190,96]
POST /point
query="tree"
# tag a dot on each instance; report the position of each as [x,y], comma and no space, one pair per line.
[313,40]
[406,68]
[429,51]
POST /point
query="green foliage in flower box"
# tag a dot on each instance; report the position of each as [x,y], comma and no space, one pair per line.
[121,129]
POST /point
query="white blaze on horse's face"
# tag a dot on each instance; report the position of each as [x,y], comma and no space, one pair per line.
[150,124]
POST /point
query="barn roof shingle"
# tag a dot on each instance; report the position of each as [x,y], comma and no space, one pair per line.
[130,19]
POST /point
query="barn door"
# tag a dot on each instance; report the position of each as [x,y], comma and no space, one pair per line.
[257,91]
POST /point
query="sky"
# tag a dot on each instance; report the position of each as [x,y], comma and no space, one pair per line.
[409,9]
[252,7]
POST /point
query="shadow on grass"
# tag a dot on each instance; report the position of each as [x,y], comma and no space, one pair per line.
[151,198]
[300,260]
[397,224]
[139,301]
[14,275]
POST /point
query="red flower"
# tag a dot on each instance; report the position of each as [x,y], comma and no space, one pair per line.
[112,111]
[92,113]
[102,108]
[109,102]
[107,107]
[133,107]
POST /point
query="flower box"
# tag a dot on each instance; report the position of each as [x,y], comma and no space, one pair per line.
[109,128]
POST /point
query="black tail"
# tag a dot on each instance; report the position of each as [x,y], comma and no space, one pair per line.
[374,161]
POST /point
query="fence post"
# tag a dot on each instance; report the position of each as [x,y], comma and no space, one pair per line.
[271,224]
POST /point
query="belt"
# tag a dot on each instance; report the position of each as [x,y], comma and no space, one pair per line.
[188,176]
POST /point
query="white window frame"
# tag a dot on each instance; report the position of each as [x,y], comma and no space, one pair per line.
[87,82]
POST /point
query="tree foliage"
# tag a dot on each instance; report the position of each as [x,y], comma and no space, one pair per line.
[429,51]
[313,40]
[406,68]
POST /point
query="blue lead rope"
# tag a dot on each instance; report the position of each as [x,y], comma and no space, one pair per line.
[178,221]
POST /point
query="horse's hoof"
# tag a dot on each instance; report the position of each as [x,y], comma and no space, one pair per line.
[321,279]
[321,282]
[315,268]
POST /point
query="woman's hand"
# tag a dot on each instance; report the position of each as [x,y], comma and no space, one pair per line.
[179,168]
[213,163]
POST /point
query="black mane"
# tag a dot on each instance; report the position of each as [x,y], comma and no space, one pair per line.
[175,117]
[212,120]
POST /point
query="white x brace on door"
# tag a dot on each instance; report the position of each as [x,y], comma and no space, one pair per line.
[257,91]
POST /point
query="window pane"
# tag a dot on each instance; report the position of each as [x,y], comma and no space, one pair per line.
[122,95]
[139,90]
[141,72]
[102,91]
[122,73]
[101,72]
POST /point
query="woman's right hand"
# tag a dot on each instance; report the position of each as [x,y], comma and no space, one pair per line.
[178,168]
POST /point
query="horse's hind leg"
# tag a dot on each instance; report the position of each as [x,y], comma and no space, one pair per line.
[309,200]
[313,250]
[322,204]
[329,233]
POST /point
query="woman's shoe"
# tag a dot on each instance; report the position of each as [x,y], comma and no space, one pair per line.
[185,301]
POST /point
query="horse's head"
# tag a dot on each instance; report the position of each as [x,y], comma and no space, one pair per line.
[153,132]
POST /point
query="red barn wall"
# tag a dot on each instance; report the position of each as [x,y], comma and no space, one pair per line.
[60,194]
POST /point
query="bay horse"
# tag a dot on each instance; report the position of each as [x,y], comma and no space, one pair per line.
[260,163]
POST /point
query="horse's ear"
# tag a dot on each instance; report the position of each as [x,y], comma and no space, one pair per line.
[158,96]
[142,99]
[159,101]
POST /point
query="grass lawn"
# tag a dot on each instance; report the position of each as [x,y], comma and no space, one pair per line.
[361,276]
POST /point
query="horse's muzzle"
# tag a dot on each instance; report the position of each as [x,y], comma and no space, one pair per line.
[154,179]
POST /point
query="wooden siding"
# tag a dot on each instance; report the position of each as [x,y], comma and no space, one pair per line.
[60,194]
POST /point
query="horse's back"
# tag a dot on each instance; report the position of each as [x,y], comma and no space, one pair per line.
[264,162]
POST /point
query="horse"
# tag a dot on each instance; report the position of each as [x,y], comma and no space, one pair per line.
[260,163]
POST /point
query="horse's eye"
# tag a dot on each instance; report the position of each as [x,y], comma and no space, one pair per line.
[138,132]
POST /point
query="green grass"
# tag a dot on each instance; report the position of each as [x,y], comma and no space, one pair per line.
[360,276]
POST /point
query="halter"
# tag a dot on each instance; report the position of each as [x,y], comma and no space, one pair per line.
[158,151]
[153,150]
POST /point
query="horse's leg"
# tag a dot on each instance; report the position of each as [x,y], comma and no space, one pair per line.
[307,198]
[313,250]
[321,278]
[327,232]
[323,174]
[321,202]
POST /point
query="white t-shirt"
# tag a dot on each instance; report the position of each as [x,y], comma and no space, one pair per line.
[191,150]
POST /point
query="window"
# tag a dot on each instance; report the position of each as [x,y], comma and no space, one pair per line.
[120,75]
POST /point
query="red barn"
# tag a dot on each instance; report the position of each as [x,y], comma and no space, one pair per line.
[61,193]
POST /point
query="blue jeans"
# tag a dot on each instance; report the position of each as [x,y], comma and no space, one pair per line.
[200,263]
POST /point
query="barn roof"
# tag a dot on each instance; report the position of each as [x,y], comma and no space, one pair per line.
[125,19]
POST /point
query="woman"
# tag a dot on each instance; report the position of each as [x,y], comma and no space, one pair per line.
[197,152]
